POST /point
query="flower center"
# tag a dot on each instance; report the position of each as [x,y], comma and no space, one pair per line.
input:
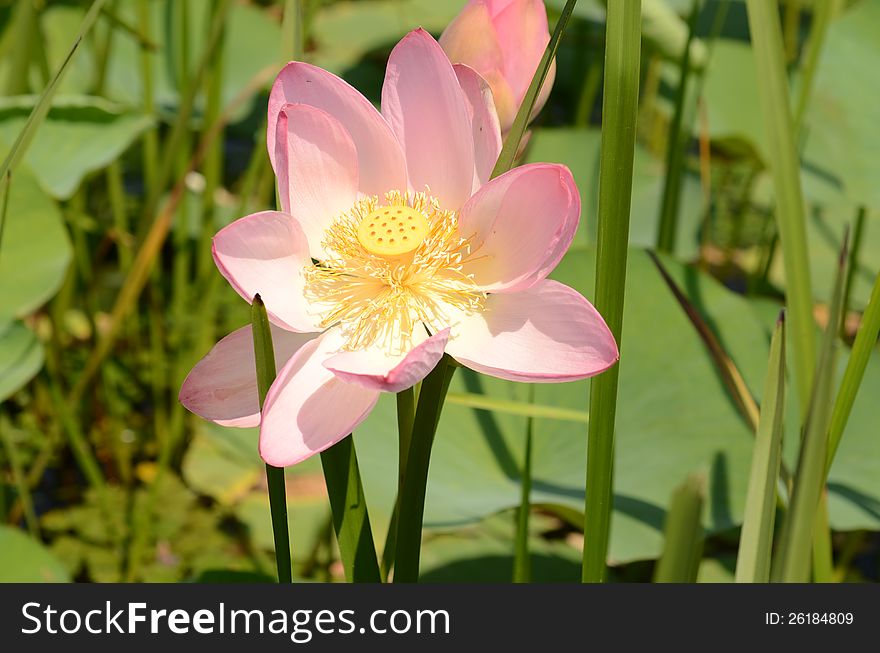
[392,272]
[393,231]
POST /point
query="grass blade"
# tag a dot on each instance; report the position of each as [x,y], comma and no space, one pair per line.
[351,519]
[619,108]
[756,538]
[773,93]
[518,128]
[863,347]
[264,354]
[795,549]
[684,533]
[41,108]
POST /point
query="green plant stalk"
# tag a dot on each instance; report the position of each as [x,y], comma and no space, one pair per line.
[41,108]
[522,564]
[791,25]
[863,347]
[683,532]
[180,128]
[264,356]
[675,146]
[5,189]
[785,168]
[822,11]
[23,24]
[518,129]
[21,487]
[792,564]
[756,537]
[853,265]
[116,193]
[351,519]
[151,136]
[406,409]
[823,551]
[619,109]
[412,495]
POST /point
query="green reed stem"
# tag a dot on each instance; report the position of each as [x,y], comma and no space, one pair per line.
[853,265]
[792,563]
[784,165]
[412,494]
[264,354]
[406,409]
[675,146]
[756,537]
[619,109]
[683,532]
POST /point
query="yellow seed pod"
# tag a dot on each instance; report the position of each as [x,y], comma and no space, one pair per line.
[393,231]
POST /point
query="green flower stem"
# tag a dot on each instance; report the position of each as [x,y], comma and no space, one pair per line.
[619,108]
[406,408]
[264,355]
[773,93]
[351,519]
[522,565]
[415,480]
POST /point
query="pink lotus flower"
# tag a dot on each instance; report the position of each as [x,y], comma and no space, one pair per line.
[503,40]
[391,248]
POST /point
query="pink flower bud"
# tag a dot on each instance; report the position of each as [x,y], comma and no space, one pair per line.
[504,41]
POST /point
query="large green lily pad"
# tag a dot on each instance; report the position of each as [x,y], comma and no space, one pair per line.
[25,560]
[35,250]
[80,135]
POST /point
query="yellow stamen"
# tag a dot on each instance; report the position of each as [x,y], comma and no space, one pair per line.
[393,231]
[386,294]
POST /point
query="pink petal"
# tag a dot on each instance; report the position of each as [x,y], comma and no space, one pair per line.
[484,121]
[547,333]
[426,108]
[266,253]
[222,387]
[470,39]
[522,33]
[317,169]
[381,163]
[520,224]
[308,408]
[375,369]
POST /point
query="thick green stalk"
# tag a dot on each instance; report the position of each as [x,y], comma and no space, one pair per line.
[853,266]
[683,533]
[675,147]
[521,121]
[619,108]
[756,537]
[406,410]
[773,94]
[415,480]
[351,519]
[264,355]
[818,30]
